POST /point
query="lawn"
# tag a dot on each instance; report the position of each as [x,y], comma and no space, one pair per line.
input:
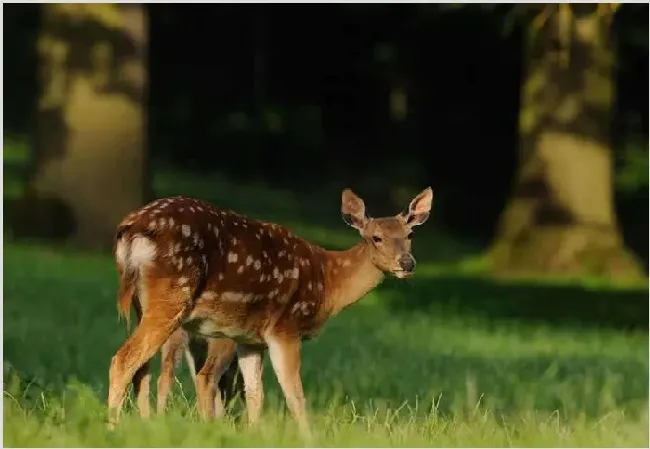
[448,358]
[383,373]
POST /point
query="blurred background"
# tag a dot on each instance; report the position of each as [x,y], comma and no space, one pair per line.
[530,122]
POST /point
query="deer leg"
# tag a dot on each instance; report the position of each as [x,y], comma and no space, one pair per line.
[220,353]
[139,348]
[142,377]
[170,357]
[250,364]
[285,359]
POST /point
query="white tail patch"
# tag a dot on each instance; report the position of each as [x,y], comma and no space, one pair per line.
[143,251]
[121,252]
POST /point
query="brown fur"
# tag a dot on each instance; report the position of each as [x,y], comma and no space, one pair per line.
[221,275]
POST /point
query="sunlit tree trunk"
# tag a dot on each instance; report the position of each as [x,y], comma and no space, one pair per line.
[561,216]
[90,150]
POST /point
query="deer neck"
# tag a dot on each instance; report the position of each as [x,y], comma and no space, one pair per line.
[350,275]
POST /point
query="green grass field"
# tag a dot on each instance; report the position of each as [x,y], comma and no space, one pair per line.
[448,358]
[389,371]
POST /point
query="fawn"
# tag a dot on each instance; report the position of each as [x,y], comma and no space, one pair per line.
[219,275]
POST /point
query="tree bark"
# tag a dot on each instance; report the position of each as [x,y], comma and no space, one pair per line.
[89,155]
[561,216]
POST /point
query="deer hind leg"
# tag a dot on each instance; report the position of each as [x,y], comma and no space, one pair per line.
[170,358]
[161,317]
[219,354]
[142,377]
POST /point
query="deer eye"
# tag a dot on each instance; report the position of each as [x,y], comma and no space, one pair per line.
[410,236]
[376,239]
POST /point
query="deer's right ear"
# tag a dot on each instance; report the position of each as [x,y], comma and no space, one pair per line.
[353,210]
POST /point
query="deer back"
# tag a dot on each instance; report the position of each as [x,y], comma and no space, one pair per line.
[254,273]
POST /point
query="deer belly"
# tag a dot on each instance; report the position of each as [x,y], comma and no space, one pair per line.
[210,328]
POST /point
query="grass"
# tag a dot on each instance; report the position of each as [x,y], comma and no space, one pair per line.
[379,375]
[448,358]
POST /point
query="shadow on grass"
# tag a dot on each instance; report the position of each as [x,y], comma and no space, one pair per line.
[571,305]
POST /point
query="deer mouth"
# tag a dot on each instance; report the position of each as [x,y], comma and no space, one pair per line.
[402,274]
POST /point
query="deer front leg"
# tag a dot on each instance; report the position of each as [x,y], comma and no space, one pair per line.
[285,359]
[250,363]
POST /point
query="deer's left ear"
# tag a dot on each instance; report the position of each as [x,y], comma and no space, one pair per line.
[419,208]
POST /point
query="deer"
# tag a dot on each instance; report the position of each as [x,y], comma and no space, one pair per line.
[252,284]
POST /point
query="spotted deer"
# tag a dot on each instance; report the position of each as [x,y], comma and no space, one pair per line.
[220,275]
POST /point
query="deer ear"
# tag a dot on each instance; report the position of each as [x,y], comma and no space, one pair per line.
[419,208]
[353,210]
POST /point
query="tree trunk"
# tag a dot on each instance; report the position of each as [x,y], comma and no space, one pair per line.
[89,153]
[561,217]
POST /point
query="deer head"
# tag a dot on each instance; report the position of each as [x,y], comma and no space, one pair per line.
[388,239]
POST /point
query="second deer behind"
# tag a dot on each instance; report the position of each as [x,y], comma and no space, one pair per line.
[219,274]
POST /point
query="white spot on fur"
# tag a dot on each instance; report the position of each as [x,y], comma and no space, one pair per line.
[183,281]
[296,273]
[220,276]
[192,209]
[232,257]
[189,260]
[143,251]
[199,208]
[152,224]
[276,272]
[208,296]
[240,270]
[309,286]
[186,230]
[234,241]
[249,260]
[232,296]
[180,264]
[216,231]
[257,264]
[171,222]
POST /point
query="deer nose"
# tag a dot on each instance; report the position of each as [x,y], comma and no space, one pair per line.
[407,262]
